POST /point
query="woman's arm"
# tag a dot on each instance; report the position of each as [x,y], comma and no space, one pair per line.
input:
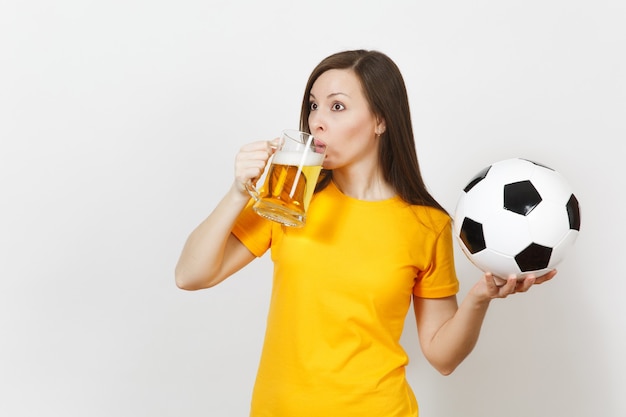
[212,253]
[448,332]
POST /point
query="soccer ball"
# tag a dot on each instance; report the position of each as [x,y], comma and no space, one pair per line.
[517,217]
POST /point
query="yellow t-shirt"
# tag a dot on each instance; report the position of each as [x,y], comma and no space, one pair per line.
[342,288]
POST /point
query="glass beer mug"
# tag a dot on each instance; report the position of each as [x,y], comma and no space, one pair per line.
[290,180]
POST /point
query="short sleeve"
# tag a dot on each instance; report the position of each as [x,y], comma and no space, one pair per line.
[253,231]
[439,279]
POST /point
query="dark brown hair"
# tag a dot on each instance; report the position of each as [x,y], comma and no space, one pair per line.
[384,89]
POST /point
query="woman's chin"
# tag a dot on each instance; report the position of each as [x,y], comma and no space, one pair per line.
[329,163]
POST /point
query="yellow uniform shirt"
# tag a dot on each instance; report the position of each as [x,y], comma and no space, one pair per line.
[342,288]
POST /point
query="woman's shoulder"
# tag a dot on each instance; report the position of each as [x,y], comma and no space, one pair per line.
[432,217]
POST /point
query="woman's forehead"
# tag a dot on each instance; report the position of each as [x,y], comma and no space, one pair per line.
[336,82]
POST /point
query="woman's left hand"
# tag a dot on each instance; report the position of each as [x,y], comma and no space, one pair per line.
[490,287]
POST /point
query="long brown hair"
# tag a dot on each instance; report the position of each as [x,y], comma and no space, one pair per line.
[384,89]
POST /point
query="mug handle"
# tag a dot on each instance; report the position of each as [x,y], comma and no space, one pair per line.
[254,193]
[275,144]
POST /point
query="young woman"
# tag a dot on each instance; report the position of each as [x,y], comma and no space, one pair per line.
[374,240]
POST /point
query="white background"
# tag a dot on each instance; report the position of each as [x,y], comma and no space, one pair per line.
[119,122]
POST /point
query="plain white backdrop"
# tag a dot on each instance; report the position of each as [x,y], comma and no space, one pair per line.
[119,122]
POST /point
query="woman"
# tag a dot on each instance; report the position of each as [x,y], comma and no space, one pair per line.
[375,239]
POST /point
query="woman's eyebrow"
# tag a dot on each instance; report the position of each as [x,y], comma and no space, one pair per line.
[331,95]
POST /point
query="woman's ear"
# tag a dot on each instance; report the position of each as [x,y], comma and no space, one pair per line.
[381,126]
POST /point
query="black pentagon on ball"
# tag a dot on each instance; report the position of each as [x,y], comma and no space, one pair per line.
[472,235]
[533,258]
[477,178]
[521,197]
[573,213]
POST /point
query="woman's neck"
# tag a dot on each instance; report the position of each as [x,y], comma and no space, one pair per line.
[368,185]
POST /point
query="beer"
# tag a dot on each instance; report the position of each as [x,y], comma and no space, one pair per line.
[289,186]
[290,180]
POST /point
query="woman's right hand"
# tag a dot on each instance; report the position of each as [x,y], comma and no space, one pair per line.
[251,160]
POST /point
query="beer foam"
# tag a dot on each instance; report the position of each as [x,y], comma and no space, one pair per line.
[296,158]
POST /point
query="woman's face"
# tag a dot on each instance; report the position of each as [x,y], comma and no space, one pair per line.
[341,117]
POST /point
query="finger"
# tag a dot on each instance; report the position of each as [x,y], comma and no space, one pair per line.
[499,282]
[525,284]
[259,151]
[249,174]
[275,144]
[510,286]
[248,170]
[546,277]
[250,160]
[257,159]
[261,145]
[490,281]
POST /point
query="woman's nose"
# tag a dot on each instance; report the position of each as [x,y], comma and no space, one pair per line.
[316,123]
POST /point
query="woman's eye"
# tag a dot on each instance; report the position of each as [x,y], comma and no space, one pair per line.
[338,106]
[312,106]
